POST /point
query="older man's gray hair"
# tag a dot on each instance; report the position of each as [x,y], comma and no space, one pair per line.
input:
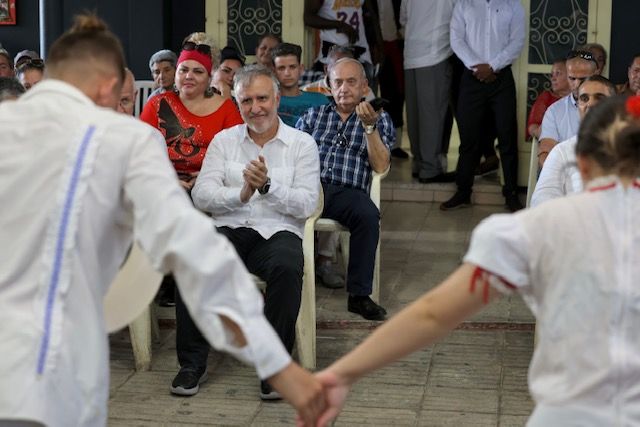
[247,74]
[163,55]
[347,60]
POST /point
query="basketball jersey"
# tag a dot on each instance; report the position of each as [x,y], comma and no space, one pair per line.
[349,12]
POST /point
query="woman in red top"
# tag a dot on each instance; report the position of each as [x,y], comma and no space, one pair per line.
[559,89]
[190,117]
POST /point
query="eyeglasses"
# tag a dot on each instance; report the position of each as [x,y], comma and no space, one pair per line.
[585,97]
[31,63]
[582,54]
[202,48]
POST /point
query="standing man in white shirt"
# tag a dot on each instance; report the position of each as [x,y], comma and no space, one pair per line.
[427,73]
[487,36]
[260,181]
[562,119]
[98,180]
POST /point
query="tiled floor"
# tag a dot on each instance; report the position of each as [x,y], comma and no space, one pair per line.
[475,377]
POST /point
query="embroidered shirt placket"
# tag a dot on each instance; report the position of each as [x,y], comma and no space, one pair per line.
[61,237]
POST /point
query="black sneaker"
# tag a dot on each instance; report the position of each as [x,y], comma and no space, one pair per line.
[399,153]
[188,380]
[513,203]
[365,307]
[268,393]
[459,200]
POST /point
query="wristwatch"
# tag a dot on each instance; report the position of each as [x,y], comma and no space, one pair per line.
[265,188]
[369,129]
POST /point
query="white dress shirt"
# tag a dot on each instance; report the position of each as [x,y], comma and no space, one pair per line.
[426,34]
[78,182]
[576,262]
[560,175]
[561,121]
[488,32]
[293,165]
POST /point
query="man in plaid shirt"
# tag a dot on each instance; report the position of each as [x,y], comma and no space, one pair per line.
[353,140]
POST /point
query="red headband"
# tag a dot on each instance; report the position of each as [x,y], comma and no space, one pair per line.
[203,59]
[633,106]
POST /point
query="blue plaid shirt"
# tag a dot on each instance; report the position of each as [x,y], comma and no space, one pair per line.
[344,159]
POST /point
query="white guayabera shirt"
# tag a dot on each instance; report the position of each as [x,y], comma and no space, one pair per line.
[78,182]
[576,262]
[560,175]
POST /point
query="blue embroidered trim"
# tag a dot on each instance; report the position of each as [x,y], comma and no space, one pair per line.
[57,263]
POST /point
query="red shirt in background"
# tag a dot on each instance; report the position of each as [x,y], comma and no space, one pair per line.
[186,134]
[543,101]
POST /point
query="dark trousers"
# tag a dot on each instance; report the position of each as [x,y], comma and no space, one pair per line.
[486,138]
[279,262]
[355,210]
[476,100]
[391,78]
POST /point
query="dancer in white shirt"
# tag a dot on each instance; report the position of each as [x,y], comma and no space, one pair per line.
[79,182]
[586,365]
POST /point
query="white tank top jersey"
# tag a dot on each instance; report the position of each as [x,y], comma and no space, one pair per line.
[349,12]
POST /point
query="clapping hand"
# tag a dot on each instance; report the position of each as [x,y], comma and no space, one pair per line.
[255,176]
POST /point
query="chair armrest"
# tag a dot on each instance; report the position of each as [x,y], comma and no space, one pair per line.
[376,186]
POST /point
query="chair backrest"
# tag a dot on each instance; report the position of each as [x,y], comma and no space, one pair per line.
[533,170]
[143,88]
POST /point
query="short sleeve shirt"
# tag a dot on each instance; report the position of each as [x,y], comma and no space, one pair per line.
[187,135]
[576,262]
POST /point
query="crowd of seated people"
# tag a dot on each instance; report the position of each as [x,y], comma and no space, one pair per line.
[198,103]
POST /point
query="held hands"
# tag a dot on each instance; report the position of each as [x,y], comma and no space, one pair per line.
[255,176]
[484,73]
[366,114]
[303,391]
[335,391]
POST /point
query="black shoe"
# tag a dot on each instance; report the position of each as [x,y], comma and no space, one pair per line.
[459,200]
[415,174]
[166,299]
[167,294]
[443,177]
[188,380]
[365,307]
[268,393]
[399,153]
[488,166]
[513,203]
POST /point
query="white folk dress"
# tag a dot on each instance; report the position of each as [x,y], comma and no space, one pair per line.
[576,262]
[78,182]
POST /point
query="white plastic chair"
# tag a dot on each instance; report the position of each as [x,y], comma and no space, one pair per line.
[143,90]
[306,323]
[141,329]
[533,170]
[325,224]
